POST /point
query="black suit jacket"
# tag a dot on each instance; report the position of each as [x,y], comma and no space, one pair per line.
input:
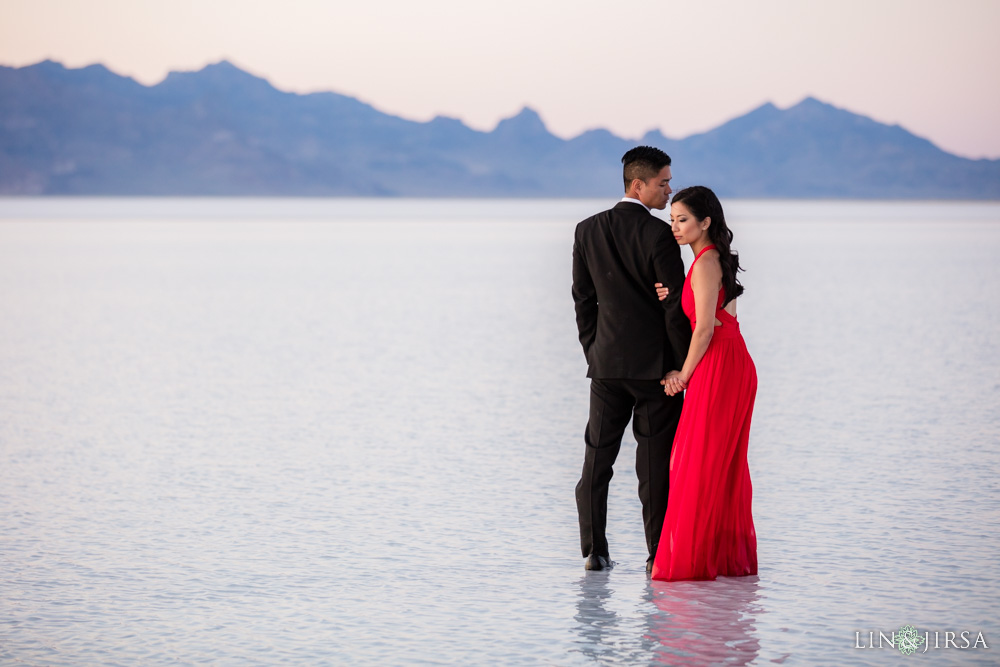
[625,331]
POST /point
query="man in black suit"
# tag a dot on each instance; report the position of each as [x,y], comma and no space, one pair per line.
[631,340]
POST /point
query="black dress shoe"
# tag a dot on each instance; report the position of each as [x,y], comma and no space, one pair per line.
[595,562]
[649,566]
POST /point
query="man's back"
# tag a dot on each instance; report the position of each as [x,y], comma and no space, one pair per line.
[625,331]
[631,340]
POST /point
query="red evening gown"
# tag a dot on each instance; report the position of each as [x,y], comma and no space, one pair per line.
[708,530]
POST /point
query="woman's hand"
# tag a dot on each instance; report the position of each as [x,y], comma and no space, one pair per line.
[661,291]
[672,383]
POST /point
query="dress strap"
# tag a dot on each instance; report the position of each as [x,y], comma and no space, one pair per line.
[703,251]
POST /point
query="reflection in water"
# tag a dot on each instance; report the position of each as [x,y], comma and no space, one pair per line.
[597,623]
[680,623]
[705,622]
[606,636]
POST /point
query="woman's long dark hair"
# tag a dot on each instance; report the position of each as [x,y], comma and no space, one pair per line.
[703,203]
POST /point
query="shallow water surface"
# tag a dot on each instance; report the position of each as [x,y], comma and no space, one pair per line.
[349,432]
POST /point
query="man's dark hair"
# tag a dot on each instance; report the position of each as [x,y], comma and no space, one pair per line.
[643,162]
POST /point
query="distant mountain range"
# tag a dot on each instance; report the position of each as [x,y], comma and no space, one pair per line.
[222,131]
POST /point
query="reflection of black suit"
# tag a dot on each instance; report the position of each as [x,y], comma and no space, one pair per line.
[630,340]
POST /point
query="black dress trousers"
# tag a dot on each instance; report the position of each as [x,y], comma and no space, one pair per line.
[654,418]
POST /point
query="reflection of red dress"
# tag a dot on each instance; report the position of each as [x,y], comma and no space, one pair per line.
[709,529]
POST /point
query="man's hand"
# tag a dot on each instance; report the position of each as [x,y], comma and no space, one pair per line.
[672,383]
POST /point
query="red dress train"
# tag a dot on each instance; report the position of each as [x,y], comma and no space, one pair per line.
[708,530]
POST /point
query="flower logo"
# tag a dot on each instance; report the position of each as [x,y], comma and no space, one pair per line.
[908,639]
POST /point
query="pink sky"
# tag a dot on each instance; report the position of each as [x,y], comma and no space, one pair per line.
[681,67]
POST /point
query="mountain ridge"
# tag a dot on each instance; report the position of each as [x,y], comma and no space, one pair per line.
[224,131]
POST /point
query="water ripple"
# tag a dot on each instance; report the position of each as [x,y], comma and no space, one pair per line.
[356,443]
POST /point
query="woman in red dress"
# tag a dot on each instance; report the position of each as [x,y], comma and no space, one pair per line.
[708,530]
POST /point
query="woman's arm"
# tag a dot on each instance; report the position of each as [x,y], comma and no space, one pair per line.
[706,280]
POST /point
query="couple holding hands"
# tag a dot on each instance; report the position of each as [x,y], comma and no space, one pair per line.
[665,352]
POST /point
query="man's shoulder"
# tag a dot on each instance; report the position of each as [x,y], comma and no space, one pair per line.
[645,223]
[621,210]
[639,216]
[603,215]
[587,226]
